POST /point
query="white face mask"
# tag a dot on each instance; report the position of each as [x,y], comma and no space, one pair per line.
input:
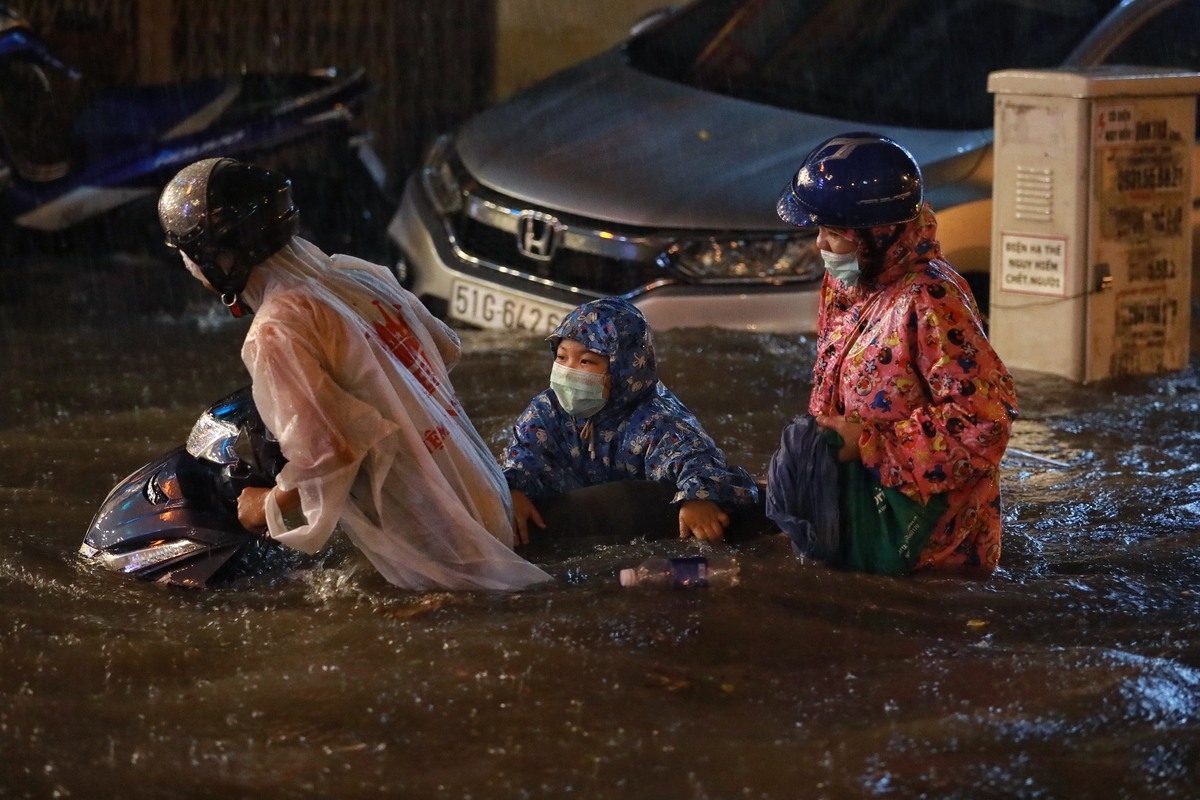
[579,392]
[843,266]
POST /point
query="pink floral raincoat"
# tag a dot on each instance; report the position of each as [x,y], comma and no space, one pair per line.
[905,353]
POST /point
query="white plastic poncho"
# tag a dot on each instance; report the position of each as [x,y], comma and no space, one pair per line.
[351,374]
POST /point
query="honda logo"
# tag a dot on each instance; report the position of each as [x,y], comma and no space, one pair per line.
[538,235]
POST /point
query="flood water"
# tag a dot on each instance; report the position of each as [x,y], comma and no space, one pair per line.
[1073,672]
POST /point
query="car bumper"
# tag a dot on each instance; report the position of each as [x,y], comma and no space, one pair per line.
[469,291]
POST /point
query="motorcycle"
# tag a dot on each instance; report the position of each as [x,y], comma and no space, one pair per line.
[81,169]
[174,520]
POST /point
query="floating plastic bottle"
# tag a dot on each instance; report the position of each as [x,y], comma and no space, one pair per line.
[683,572]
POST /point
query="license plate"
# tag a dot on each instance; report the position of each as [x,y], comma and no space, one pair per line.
[488,307]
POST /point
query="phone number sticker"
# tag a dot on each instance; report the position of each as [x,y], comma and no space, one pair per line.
[488,307]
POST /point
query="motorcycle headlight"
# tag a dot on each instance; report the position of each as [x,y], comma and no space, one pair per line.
[439,179]
[730,260]
[157,553]
[212,440]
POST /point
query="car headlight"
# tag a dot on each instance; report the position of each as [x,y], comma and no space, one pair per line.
[212,440]
[720,260]
[438,177]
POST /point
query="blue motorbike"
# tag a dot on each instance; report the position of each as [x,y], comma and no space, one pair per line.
[81,169]
[174,520]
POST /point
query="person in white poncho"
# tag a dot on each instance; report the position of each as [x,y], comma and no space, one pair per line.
[351,374]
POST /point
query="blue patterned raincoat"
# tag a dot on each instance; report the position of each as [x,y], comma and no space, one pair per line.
[643,432]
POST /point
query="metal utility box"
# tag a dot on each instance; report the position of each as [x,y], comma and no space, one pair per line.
[1092,220]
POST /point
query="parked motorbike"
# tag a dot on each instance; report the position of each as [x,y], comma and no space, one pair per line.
[175,520]
[81,168]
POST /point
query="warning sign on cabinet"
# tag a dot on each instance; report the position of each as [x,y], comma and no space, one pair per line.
[1033,264]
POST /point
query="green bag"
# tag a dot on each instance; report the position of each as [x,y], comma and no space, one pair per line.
[883,529]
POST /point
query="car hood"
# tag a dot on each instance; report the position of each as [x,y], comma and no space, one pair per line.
[604,141]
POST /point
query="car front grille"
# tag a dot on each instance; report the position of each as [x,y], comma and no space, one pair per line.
[583,271]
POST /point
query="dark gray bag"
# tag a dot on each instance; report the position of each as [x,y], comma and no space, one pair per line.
[802,489]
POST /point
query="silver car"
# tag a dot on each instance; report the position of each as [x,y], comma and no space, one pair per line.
[651,171]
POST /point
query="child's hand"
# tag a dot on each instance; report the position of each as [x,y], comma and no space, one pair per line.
[524,512]
[703,519]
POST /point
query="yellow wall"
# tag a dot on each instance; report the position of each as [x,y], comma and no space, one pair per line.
[538,37]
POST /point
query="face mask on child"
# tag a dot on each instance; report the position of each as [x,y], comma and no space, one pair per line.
[843,266]
[580,393]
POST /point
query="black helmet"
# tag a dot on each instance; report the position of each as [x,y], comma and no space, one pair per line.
[227,217]
[855,180]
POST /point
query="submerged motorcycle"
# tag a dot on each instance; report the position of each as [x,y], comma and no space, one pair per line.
[175,520]
[85,166]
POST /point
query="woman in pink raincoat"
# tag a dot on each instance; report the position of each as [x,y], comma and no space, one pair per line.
[904,370]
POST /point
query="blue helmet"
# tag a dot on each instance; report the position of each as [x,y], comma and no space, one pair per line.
[854,180]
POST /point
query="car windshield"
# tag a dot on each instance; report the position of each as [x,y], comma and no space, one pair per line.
[910,63]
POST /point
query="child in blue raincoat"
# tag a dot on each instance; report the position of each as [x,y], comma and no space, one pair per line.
[608,418]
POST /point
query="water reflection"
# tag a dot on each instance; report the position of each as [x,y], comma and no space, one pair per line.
[1073,672]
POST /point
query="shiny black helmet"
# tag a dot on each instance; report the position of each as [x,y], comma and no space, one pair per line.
[227,217]
[855,180]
